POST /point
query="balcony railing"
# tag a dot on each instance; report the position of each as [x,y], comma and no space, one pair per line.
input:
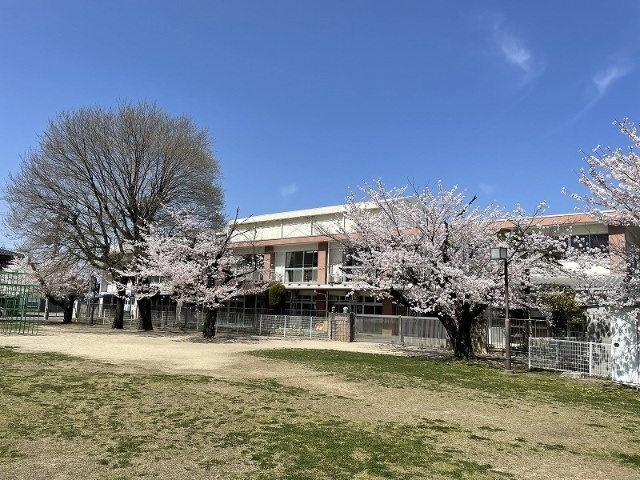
[300,275]
[307,275]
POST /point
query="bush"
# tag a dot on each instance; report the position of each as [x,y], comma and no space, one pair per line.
[277,296]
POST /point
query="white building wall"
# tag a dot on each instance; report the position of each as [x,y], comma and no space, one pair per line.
[303,223]
[296,229]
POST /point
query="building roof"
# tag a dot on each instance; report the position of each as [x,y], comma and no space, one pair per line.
[8,253]
[309,212]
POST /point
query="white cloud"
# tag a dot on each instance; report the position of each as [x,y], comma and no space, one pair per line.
[606,77]
[288,190]
[602,80]
[516,52]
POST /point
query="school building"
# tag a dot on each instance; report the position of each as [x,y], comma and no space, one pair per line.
[297,252]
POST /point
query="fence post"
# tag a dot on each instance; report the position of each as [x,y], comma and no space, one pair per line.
[260,327]
[284,328]
[331,317]
[352,326]
[310,326]
[590,358]
[401,330]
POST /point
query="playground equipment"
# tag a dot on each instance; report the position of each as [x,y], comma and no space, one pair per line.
[19,304]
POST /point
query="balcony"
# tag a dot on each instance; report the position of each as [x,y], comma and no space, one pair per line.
[301,275]
[341,275]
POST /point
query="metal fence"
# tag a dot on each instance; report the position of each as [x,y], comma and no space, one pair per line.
[588,358]
[417,331]
[521,330]
[274,325]
[18,326]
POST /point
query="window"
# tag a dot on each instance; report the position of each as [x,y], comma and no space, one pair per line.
[251,265]
[252,260]
[360,304]
[584,242]
[598,242]
[301,304]
[301,267]
[349,263]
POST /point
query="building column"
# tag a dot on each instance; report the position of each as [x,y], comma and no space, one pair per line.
[269,262]
[617,248]
[321,300]
[388,307]
[323,259]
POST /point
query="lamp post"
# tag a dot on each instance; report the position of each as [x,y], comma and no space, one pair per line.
[500,253]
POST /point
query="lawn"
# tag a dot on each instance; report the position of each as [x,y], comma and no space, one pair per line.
[307,414]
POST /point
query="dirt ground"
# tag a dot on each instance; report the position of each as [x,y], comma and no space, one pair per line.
[168,351]
[188,353]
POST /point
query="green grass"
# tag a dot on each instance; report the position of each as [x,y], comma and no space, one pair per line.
[475,377]
[94,420]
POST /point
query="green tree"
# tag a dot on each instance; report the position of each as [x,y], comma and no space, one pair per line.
[277,293]
[566,312]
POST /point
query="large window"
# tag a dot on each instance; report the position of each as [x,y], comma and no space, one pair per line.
[301,304]
[348,264]
[360,304]
[599,241]
[301,267]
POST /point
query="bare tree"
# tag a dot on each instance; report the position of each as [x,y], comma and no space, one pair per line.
[98,176]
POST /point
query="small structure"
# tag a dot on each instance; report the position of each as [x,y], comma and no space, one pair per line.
[625,348]
[6,256]
[19,303]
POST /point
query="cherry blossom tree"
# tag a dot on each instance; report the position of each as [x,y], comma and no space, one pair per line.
[198,264]
[59,279]
[429,251]
[613,180]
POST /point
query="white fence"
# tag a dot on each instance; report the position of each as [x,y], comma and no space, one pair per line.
[569,356]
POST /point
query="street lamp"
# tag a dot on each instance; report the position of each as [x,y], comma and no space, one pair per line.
[500,253]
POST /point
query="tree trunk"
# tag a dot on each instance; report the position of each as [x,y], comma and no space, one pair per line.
[459,331]
[118,316]
[67,312]
[463,346]
[479,334]
[209,327]
[93,311]
[144,314]
[465,330]
[66,304]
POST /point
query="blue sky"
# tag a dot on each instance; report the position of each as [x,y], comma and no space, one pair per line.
[308,99]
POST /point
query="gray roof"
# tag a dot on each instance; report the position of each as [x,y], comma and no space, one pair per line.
[8,253]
